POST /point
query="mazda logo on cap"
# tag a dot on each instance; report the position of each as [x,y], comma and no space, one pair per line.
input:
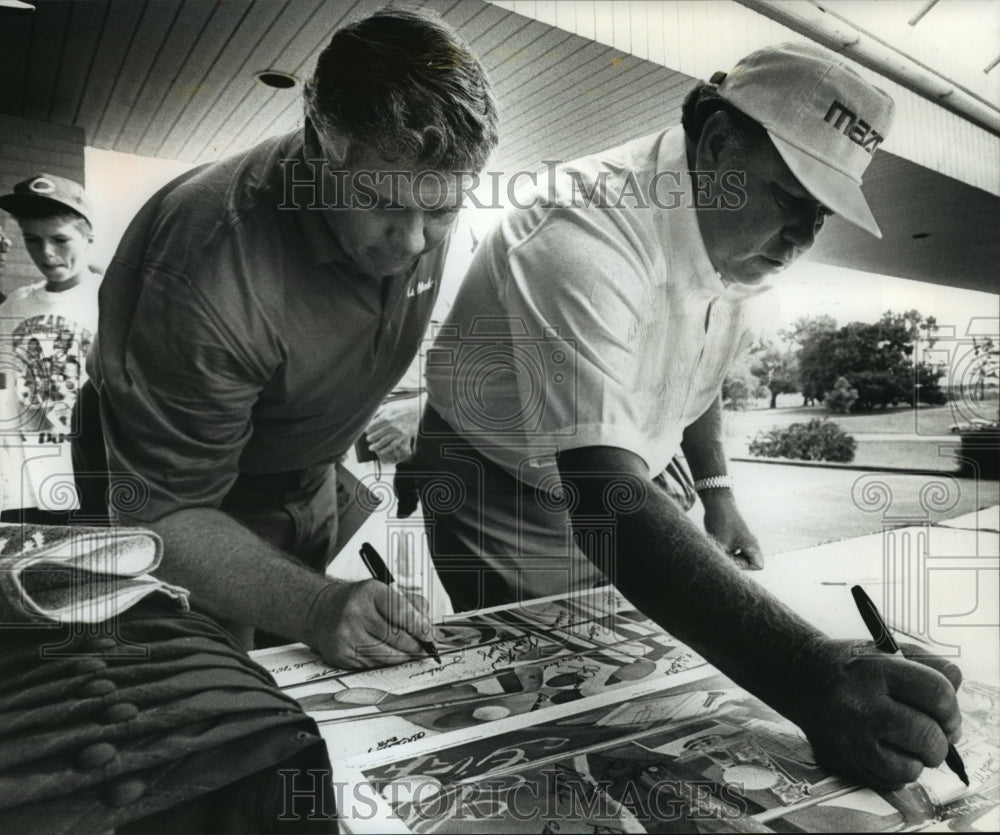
[42,186]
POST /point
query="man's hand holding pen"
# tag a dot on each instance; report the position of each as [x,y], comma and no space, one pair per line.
[876,718]
[369,624]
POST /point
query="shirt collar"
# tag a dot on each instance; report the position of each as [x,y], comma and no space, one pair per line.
[684,234]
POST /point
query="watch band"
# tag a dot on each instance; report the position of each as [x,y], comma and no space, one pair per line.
[714,482]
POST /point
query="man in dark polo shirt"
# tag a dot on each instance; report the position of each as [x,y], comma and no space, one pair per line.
[259,310]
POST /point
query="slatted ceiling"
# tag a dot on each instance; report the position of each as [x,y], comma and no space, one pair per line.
[86,20]
[113,44]
[281,109]
[264,111]
[284,111]
[622,26]
[613,17]
[14,59]
[499,39]
[583,142]
[572,57]
[590,116]
[546,12]
[187,25]
[43,66]
[541,48]
[475,20]
[461,14]
[907,198]
[661,109]
[528,91]
[521,85]
[191,65]
[282,114]
[148,43]
[228,77]
[567,16]
[533,112]
[534,58]
[482,24]
[267,112]
[175,78]
[640,29]
[243,96]
[615,94]
[202,95]
[657,48]
[278,111]
[554,87]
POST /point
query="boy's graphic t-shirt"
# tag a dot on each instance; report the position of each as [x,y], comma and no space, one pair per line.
[44,340]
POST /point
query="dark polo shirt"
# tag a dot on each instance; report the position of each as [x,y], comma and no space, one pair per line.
[236,337]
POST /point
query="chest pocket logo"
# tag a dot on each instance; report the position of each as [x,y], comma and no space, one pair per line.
[420,287]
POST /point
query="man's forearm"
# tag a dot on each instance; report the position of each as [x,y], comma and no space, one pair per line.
[235,575]
[676,575]
[699,595]
[705,452]
[869,715]
[702,444]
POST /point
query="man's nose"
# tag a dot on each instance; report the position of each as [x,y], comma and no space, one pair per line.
[407,231]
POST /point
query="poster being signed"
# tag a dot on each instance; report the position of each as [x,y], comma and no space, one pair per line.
[497,664]
[701,756]
[577,713]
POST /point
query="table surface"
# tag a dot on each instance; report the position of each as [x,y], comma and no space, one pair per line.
[939,583]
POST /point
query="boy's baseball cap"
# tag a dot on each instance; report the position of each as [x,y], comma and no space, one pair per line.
[825,120]
[47,188]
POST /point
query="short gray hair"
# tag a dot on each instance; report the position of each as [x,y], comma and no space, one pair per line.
[402,83]
[702,101]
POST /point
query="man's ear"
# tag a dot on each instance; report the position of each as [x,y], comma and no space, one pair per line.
[335,146]
[717,142]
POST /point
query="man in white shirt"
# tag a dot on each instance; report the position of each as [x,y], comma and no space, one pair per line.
[589,341]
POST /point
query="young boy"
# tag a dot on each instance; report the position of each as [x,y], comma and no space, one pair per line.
[45,329]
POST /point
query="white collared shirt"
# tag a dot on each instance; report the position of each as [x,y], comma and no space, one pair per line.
[592,325]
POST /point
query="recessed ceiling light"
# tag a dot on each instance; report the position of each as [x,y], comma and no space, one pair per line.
[277,79]
[919,235]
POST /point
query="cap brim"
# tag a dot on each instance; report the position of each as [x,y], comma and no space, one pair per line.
[15,203]
[834,189]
